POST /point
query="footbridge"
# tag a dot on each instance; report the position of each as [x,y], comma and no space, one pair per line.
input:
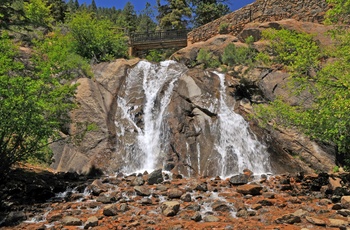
[157,40]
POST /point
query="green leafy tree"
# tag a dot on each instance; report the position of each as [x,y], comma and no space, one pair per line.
[327,117]
[174,15]
[38,12]
[96,39]
[35,99]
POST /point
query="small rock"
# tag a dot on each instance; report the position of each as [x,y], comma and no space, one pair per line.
[220,206]
[256,206]
[336,207]
[91,222]
[288,219]
[194,207]
[344,212]
[316,221]
[174,193]
[54,218]
[337,223]
[170,208]
[202,187]
[71,221]
[105,199]
[345,202]
[251,189]
[300,213]
[269,195]
[242,213]
[265,203]
[142,191]
[211,218]
[186,197]
[138,181]
[110,210]
[146,201]
[239,179]
[197,217]
[97,187]
[124,207]
[156,177]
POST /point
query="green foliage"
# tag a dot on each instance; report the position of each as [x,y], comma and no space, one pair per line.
[238,56]
[96,39]
[207,11]
[174,15]
[36,98]
[208,59]
[223,28]
[339,12]
[327,118]
[38,12]
[297,51]
[155,56]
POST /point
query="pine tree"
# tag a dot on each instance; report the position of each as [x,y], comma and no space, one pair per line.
[174,15]
[93,6]
[208,10]
[145,22]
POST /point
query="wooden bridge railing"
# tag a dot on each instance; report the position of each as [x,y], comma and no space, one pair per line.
[142,38]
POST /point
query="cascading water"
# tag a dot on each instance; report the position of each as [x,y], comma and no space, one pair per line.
[225,148]
[236,145]
[154,86]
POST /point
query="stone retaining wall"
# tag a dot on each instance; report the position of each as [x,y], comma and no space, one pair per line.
[262,11]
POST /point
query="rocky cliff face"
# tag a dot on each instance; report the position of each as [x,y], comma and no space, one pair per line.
[180,124]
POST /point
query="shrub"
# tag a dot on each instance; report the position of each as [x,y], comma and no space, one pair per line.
[238,56]
[207,58]
[223,28]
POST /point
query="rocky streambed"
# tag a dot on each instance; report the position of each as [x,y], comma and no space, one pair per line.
[161,200]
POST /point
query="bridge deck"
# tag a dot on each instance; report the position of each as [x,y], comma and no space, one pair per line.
[157,40]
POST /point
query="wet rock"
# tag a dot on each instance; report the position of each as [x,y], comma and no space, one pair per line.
[194,207]
[110,210]
[13,218]
[71,221]
[256,206]
[174,193]
[91,222]
[288,219]
[155,177]
[142,191]
[97,187]
[138,181]
[55,217]
[344,212]
[186,197]
[316,221]
[220,206]
[242,213]
[170,208]
[345,202]
[211,218]
[202,187]
[105,199]
[337,223]
[197,217]
[123,207]
[251,189]
[336,207]
[239,179]
[146,201]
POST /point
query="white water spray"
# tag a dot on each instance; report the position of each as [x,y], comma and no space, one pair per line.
[237,146]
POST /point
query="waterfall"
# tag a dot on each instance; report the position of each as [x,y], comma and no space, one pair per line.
[222,145]
[148,91]
[237,146]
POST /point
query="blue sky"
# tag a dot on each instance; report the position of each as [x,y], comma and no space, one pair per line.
[140,4]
